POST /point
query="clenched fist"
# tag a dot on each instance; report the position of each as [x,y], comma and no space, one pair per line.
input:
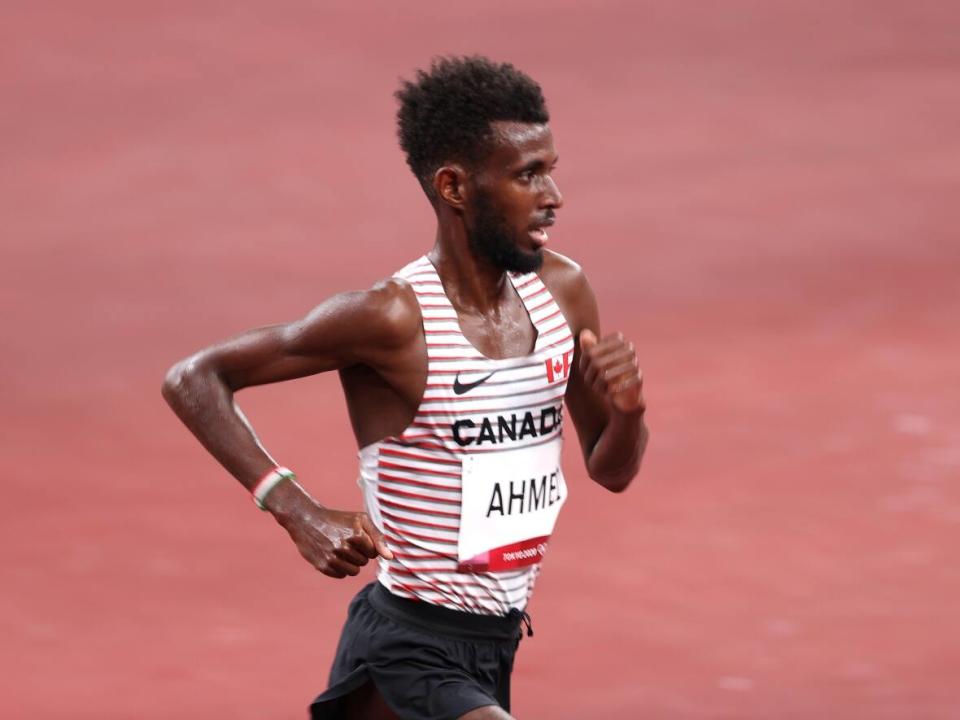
[336,542]
[609,366]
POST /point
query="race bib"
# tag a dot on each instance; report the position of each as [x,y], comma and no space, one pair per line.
[510,502]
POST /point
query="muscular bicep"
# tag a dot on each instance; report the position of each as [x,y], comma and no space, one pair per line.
[347,329]
[265,355]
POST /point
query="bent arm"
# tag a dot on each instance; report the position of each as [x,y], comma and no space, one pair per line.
[604,395]
[357,327]
[366,327]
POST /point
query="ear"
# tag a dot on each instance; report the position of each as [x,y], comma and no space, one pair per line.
[449,183]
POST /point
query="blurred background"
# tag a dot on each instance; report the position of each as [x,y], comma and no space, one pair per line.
[765,197]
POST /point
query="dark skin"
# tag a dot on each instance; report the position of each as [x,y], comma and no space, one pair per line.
[374,339]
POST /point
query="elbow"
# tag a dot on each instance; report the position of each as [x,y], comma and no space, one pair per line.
[185,379]
[618,478]
[174,383]
[619,485]
[615,483]
[616,463]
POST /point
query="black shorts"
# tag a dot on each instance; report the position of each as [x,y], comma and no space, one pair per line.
[428,662]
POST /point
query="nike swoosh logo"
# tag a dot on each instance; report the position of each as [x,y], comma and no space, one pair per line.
[461,388]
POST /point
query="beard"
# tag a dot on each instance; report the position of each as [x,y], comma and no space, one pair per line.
[491,240]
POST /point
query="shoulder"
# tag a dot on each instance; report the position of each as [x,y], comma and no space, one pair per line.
[561,274]
[388,311]
[385,315]
[568,284]
[395,305]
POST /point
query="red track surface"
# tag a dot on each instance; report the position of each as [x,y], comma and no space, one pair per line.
[765,196]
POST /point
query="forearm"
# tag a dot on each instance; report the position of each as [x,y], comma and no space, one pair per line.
[204,403]
[615,458]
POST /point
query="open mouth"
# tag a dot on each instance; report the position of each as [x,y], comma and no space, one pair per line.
[539,234]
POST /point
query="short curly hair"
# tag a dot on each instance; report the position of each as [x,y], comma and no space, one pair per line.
[445,115]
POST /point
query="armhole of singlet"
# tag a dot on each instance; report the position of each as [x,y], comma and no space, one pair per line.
[402,274]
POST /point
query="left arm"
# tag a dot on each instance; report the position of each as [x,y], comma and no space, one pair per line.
[604,391]
[613,433]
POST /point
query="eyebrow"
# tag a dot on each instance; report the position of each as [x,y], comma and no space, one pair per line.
[537,164]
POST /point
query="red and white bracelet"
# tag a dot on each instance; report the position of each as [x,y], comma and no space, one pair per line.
[268,482]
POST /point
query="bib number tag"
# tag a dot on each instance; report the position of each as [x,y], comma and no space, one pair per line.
[510,503]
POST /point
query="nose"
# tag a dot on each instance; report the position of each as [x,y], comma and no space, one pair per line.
[552,197]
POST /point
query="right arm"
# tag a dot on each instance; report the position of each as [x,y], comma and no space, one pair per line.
[368,328]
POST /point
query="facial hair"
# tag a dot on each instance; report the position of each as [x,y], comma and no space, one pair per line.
[491,239]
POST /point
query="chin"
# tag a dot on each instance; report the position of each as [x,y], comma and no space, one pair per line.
[504,251]
[536,256]
[524,261]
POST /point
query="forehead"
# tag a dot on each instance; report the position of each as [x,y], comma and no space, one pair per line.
[515,144]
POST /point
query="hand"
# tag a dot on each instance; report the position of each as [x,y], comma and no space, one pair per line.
[336,542]
[609,366]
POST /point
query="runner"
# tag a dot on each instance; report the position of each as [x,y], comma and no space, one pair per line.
[455,372]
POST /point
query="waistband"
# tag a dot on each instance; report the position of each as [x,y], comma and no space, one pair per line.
[434,618]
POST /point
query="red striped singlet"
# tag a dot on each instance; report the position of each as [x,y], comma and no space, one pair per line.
[467,494]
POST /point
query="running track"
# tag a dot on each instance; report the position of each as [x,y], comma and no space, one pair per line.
[765,197]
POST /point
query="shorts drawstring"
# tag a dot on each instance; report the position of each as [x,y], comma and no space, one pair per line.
[524,618]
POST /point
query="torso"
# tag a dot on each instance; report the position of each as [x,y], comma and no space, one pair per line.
[490,393]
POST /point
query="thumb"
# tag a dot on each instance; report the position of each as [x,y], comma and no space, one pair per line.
[378,540]
[587,339]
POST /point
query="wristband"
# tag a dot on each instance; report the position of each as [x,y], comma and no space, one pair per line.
[268,482]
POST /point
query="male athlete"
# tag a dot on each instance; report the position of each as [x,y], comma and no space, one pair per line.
[455,372]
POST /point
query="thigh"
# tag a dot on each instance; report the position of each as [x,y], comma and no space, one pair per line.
[490,712]
[366,703]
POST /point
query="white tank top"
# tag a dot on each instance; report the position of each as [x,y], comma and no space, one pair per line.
[468,494]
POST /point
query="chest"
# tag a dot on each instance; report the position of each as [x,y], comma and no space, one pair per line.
[504,334]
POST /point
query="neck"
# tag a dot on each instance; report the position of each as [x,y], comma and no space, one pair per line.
[472,283]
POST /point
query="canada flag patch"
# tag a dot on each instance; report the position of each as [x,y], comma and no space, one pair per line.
[558,367]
